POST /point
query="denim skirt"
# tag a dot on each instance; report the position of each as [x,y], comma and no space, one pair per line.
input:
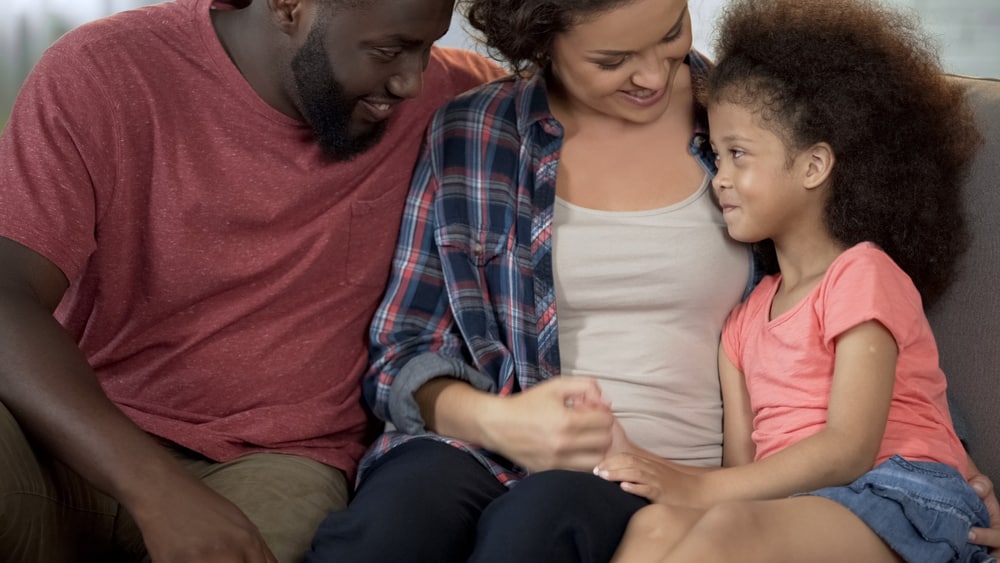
[922,510]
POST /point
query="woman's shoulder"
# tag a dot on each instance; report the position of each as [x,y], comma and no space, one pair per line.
[488,111]
[485,98]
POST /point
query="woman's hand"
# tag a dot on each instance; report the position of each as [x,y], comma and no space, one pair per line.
[620,443]
[561,423]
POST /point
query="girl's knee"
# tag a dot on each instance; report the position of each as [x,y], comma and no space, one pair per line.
[726,531]
[654,522]
[727,516]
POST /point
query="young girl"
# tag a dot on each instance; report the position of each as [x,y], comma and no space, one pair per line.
[840,143]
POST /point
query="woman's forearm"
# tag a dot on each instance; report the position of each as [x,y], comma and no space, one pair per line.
[451,407]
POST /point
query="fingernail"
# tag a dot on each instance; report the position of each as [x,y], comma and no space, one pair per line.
[597,471]
[972,536]
[979,487]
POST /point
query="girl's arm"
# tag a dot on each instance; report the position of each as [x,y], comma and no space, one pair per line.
[737,445]
[864,375]
[624,451]
[863,378]
[737,416]
[737,425]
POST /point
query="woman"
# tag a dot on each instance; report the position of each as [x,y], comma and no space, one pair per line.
[579,185]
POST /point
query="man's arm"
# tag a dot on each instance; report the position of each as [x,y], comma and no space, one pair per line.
[49,387]
[989,537]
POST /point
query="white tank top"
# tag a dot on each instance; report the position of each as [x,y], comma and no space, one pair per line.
[641,297]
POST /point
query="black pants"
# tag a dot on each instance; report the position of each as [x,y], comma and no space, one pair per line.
[427,501]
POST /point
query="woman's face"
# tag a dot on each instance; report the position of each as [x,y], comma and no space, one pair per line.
[621,63]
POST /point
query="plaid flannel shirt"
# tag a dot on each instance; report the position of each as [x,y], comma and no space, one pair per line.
[471,294]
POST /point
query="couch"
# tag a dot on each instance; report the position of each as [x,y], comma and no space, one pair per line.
[966,321]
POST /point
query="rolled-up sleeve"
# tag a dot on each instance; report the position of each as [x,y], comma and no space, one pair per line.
[413,336]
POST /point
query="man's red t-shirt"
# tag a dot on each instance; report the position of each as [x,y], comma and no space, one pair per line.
[222,273]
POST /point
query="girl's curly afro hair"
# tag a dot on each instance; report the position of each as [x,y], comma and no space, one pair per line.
[866,80]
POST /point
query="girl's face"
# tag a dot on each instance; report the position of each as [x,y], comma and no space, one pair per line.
[760,190]
[622,63]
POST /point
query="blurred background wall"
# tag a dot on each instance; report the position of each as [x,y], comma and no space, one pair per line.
[968,32]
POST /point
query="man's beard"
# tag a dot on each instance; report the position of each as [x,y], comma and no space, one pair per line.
[325,105]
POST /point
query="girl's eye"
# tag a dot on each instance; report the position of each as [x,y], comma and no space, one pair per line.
[734,154]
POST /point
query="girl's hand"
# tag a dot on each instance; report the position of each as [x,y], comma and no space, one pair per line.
[650,477]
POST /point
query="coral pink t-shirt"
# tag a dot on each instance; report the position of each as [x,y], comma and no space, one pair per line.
[788,361]
[223,275]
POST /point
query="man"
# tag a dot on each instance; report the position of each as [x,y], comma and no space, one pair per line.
[198,209]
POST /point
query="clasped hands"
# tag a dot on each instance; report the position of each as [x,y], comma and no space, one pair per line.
[565,423]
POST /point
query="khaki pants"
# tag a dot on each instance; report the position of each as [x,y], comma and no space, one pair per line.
[50,514]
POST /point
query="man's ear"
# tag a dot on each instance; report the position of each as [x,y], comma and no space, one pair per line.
[820,160]
[290,16]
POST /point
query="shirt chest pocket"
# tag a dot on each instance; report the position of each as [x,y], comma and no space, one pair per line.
[469,252]
[372,239]
[477,266]
[477,270]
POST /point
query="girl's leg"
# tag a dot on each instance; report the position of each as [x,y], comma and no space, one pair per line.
[654,531]
[795,529]
[554,517]
[419,503]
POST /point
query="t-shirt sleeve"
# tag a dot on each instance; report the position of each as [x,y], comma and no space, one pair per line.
[731,336]
[864,284]
[468,69]
[737,326]
[733,333]
[58,144]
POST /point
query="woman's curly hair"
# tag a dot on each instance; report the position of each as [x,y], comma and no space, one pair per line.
[866,80]
[520,32]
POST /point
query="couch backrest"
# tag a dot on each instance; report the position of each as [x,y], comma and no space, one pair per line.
[966,320]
